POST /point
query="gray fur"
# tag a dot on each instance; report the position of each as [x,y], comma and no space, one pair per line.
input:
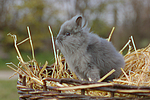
[87,54]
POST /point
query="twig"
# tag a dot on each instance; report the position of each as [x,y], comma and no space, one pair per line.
[85,86]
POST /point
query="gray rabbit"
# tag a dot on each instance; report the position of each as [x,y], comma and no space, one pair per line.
[87,54]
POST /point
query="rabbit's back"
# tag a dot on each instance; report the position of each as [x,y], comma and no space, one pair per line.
[104,56]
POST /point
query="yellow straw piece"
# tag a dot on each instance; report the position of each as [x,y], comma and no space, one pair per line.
[108,74]
[112,31]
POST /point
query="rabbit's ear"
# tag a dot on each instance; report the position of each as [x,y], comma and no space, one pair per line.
[79,21]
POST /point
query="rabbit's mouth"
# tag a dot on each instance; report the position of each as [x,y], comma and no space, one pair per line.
[58,43]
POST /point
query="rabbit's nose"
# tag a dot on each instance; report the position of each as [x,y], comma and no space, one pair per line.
[57,38]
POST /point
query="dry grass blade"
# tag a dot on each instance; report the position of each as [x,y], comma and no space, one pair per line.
[14,69]
[23,41]
[52,42]
[31,44]
[134,46]
[46,63]
[108,74]
[125,46]
[112,31]
[37,80]
[16,47]
[125,75]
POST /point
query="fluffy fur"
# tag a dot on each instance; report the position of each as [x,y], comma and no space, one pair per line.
[87,54]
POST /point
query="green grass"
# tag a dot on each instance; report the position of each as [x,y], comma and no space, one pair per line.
[8,90]
[40,58]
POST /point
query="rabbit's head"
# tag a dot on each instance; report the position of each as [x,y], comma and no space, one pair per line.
[72,35]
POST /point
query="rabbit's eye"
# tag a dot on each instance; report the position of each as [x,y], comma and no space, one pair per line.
[67,34]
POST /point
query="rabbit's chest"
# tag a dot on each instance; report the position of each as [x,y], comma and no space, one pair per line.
[78,63]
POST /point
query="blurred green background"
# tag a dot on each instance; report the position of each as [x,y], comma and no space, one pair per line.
[130,17]
[8,90]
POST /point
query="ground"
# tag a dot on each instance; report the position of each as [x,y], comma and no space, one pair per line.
[4,75]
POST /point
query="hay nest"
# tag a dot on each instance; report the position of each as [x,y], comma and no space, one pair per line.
[58,82]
